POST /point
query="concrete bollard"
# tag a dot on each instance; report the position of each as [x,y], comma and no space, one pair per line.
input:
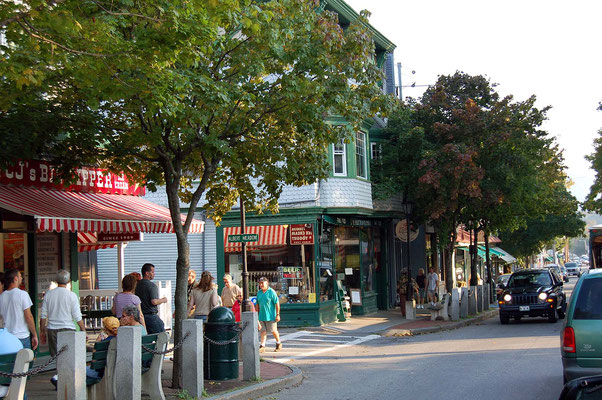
[455,304]
[71,366]
[128,366]
[464,303]
[192,357]
[411,309]
[472,300]
[480,298]
[250,346]
[486,297]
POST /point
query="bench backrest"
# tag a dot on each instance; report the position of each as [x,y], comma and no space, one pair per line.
[7,363]
[99,357]
[149,341]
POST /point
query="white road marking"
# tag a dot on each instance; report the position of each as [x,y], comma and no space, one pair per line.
[325,350]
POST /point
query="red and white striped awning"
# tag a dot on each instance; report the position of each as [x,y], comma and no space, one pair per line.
[56,210]
[88,241]
[269,235]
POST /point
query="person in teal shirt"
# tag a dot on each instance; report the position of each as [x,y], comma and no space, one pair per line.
[269,313]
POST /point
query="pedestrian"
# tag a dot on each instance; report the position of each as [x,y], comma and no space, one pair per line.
[230,292]
[9,344]
[204,297]
[148,293]
[127,297]
[433,283]
[130,316]
[60,309]
[402,289]
[15,307]
[269,313]
[191,282]
[421,281]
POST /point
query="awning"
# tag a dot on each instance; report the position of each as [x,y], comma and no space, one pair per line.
[492,251]
[505,255]
[480,253]
[88,241]
[56,210]
[269,235]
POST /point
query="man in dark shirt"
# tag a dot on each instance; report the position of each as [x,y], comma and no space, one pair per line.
[149,299]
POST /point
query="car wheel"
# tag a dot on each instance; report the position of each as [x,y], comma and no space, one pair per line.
[561,314]
[553,316]
[504,319]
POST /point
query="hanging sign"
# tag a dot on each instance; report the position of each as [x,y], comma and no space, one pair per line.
[302,234]
[120,237]
[401,231]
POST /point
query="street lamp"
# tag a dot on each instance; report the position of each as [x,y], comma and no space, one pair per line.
[407,207]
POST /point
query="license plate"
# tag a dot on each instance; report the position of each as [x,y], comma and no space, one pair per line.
[523,308]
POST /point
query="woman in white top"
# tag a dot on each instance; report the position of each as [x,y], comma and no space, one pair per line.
[204,297]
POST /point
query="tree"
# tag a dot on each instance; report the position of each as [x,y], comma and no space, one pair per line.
[221,99]
[593,201]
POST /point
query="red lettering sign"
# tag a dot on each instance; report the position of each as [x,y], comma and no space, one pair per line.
[119,237]
[41,174]
[302,234]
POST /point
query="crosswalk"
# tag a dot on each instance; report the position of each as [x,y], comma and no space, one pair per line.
[305,344]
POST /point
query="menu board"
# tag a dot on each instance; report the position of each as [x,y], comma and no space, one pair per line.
[48,259]
[302,234]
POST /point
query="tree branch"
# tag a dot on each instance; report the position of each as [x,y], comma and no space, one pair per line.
[22,15]
[125,14]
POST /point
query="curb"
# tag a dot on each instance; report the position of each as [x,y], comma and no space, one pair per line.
[264,388]
[419,331]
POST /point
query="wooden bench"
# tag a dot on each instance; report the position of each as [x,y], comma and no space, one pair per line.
[15,363]
[104,356]
[440,309]
[152,364]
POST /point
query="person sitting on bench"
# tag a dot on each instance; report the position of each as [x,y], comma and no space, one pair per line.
[109,331]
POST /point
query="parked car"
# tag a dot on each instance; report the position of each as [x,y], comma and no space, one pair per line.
[572,268]
[501,281]
[563,274]
[532,293]
[589,387]
[581,342]
[558,270]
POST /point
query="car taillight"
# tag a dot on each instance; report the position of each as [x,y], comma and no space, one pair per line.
[568,340]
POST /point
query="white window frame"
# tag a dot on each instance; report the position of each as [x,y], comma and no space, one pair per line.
[341,152]
[375,150]
[360,151]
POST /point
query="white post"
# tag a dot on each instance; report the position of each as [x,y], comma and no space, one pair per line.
[464,302]
[455,305]
[250,346]
[128,366]
[192,357]
[120,262]
[410,309]
[71,366]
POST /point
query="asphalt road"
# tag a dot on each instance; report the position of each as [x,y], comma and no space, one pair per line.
[483,361]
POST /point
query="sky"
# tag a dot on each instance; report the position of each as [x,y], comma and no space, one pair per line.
[550,49]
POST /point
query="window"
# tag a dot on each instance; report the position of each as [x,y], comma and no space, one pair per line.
[589,300]
[340,159]
[360,154]
[375,149]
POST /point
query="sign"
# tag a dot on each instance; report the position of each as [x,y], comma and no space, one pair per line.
[302,234]
[41,174]
[247,237]
[120,237]
[401,231]
[291,272]
[48,258]
[311,297]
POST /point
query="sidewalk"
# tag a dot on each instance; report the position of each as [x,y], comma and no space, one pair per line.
[275,376]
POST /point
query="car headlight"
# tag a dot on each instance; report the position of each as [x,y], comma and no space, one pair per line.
[543,296]
[507,297]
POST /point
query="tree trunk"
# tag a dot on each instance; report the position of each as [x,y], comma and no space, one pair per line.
[449,277]
[473,258]
[491,279]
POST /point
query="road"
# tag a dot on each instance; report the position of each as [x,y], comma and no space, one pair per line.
[483,361]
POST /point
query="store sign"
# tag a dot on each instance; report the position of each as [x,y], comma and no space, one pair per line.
[291,272]
[302,234]
[41,174]
[120,237]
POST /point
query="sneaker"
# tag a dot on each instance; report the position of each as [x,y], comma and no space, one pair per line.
[278,347]
[54,381]
[261,348]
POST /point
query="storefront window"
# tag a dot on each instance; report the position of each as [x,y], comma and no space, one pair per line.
[347,257]
[327,273]
[289,267]
[14,254]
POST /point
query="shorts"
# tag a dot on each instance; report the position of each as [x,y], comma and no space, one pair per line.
[431,292]
[421,292]
[269,326]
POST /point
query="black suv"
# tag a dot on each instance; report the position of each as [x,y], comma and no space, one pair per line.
[532,293]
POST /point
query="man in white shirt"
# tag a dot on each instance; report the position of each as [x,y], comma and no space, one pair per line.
[15,307]
[60,312]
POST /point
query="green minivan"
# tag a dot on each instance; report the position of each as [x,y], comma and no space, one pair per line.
[581,336]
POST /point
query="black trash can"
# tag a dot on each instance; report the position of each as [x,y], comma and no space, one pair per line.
[221,360]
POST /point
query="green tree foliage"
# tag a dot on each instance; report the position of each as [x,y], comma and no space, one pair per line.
[593,201]
[467,156]
[210,98]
